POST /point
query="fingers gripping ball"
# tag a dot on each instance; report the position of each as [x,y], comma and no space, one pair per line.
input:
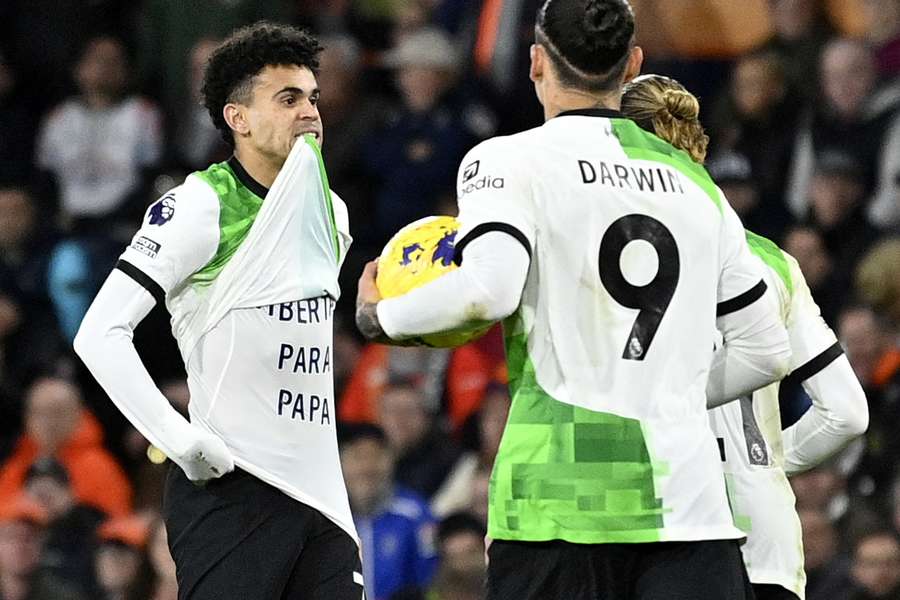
[418,254]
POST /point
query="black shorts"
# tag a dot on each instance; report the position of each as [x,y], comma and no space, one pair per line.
[707,570]
[239,538]
[770,591]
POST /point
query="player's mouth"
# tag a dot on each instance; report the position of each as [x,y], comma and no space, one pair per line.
[312,132]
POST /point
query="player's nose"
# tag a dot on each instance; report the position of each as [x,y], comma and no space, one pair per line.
[308,111]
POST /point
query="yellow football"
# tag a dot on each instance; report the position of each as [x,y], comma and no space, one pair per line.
[417,254]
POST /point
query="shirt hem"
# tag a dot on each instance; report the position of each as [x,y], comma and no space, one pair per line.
[645,536]
[296,494]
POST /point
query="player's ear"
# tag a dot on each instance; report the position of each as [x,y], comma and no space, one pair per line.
[635,61]
[538,58]
[236,118]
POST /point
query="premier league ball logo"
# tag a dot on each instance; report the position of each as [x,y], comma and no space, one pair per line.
[163,211]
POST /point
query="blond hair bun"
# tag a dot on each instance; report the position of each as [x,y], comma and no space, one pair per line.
[681,104]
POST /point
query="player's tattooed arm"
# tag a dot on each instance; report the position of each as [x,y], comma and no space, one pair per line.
[367,305]
[367,300]
[367,321]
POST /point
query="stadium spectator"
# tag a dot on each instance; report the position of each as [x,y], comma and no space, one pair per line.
[423,453]
[758,120]
[457,491]
[395,526]
[197,142]
[870,347]
[836,210]
[351,115]
[883,32]
[22,523]
[801,29]
[414,158]
[734,173]
[57,425]
[459,376]
[461,570]
[827,570]
[69,538]
[165,585]
[875,357]
[806,245]
[878,278]
[460,542]
[851,116]
[122,568]
[478,505]
[168,30]
[98,143]
[876,566]
[26,315]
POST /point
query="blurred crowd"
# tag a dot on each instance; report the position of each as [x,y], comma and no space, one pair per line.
[100,114]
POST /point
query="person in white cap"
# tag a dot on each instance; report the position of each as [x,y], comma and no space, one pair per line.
[413,159]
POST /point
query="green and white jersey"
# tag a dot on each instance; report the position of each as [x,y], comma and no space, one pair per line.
[751,439]
[251,286]
[634,251]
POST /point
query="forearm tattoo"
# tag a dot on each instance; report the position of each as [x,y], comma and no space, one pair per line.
[367,321]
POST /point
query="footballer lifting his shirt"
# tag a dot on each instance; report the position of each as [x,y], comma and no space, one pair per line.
[245,255]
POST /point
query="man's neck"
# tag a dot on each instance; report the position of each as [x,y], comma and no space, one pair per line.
[98,100]
[259,167]
[375,506]
[564,100]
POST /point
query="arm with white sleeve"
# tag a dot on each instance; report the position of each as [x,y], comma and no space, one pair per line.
[756,349]
[839,411]
[493,251]
[179,235]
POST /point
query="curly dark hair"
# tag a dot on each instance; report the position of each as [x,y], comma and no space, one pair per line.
[232,67]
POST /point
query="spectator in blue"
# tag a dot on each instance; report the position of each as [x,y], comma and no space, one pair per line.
[415,157]
[461,576]
[395,527]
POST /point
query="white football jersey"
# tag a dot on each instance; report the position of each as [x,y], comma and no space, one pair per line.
[262,377]
[750,436]
[634,253]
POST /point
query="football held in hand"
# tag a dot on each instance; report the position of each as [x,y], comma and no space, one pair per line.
[416,255]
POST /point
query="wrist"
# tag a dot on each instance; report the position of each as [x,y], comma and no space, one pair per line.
[368,322]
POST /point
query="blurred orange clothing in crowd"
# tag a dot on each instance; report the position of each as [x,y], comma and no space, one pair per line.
[468,373]
[96,477]
[721,28]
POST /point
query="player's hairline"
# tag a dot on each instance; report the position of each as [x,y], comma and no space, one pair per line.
[541,38]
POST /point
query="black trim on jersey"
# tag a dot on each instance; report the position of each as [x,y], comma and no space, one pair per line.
[244,177]
[609,113]
[815,365]
[742,301]
[143,280]
[721,443]
[484,228]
